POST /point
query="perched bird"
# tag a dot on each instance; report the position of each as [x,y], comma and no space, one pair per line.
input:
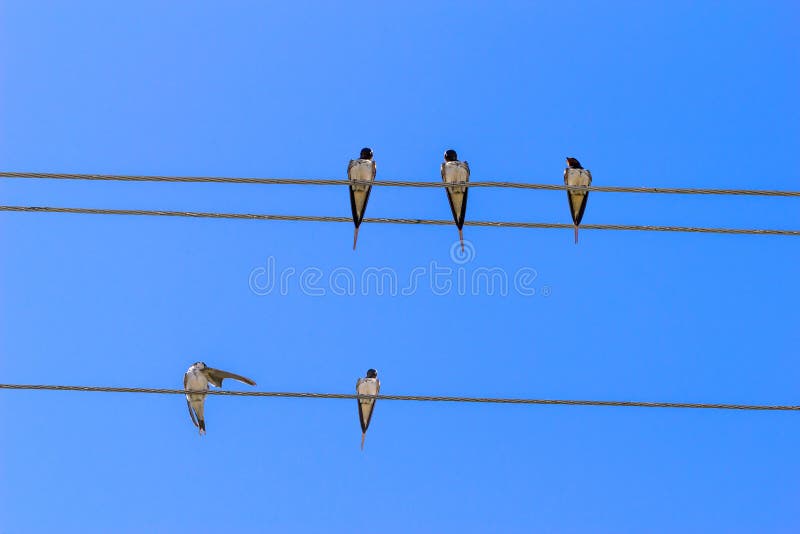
[361,170]
[367,386]
[196,379]
[577,176]
[456,172]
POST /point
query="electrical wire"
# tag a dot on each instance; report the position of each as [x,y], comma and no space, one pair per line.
[422,398]
[393,183]
[320,218]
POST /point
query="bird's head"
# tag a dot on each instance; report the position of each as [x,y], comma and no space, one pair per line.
[366,153]
[200,365]
[573,163]
[372,373]
[450,155]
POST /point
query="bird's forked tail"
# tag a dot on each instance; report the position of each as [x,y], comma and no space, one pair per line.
[363,435]
[355,238]
[461,237]
[576,234]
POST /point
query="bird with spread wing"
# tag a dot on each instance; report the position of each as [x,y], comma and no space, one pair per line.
[195,383]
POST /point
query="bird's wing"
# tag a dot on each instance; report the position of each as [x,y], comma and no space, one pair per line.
[379,386]
[374,169]
[442,171]
[350,166]
[565,175]
[466,168]
[358,384]
[365,418]
[216,376]
[191,413]
[185,380]
[589,175]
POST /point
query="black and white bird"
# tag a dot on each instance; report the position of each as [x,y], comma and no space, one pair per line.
[457,173]
[369,385]
[577,176]
[361,173]
[196,380]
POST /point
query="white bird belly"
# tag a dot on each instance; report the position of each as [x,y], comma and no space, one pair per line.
[454,173]
[361,171]
[196,381]
[577,178]
[368,387]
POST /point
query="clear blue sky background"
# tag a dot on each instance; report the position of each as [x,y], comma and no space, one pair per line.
[682,93]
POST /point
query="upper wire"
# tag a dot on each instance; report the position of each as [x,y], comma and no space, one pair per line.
[394,183]
[421,398]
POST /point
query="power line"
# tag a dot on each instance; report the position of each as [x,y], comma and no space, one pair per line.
[392,183]
[322,218]
[422,398]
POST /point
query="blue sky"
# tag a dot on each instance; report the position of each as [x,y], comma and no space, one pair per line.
[684,94]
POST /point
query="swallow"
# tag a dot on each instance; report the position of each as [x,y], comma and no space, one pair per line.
[577,176]
[370,385]
[196,379]
[456,172]
[360,172]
